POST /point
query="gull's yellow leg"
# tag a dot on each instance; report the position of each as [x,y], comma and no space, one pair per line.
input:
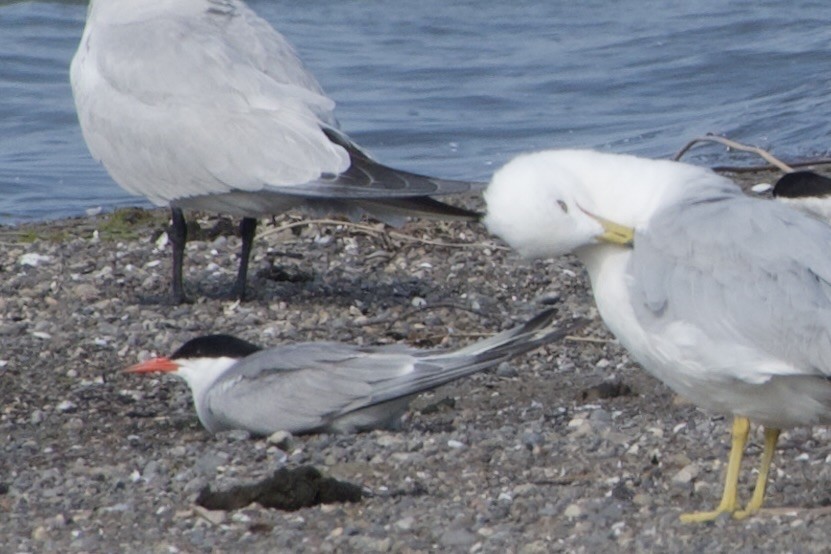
[771,437]
[729,502]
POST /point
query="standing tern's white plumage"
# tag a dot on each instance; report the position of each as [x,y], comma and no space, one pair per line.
[725,298]
[202,104]
[328,386]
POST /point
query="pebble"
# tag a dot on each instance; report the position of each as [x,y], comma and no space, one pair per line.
[178,451]
[403,458]
[387,440]
[485,531]
[506,369]
[600,416]
[457,538]
[532,438]
[85,291]
[572,511]
[239,435]
[526,490]
[282,440]
[535,547]
[686,474]
[580,428]
[66,406]
[33,259]
[214,517]
[209,462]
[405,523]
[370,544]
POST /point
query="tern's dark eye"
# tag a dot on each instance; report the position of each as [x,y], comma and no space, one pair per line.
[563,206]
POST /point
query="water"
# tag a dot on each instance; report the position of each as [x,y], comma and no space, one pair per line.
[456,89]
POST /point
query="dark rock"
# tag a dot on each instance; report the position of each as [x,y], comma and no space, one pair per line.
[287,489]
[607,389]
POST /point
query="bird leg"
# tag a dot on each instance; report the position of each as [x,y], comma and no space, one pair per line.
[178,234]
[771,437]
[729,502]
[247,228]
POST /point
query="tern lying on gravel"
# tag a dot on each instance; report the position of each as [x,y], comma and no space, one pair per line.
[328,386]
[725,298]
[202,104]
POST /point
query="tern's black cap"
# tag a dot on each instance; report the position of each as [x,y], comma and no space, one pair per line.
[215,346]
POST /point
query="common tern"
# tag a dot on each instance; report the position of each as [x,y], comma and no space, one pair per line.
[329,386]
[202,104]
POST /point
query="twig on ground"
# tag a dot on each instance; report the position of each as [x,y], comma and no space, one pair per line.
[597,340]
[770,158]
[371,230]
[769,167]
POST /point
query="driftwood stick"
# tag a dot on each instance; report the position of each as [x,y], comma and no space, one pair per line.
[767,156]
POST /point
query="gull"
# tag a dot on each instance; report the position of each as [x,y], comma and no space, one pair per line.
[201,104]
[328,386]
[723,297]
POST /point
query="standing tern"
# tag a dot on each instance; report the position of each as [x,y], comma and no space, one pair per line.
[201,104]
[328,386]
[725,298]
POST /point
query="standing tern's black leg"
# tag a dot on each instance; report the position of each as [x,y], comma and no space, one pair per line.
[178,235]
[247,227]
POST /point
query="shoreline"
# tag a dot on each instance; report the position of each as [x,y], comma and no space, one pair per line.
[570,448]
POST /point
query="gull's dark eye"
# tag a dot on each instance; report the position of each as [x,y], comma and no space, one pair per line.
[563,206]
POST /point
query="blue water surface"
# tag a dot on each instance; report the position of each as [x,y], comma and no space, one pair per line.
[457,88]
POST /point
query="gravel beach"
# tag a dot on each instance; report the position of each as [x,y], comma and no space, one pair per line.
[572,448]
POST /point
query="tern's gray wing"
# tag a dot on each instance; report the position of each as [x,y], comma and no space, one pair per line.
[745,282]
[383,192]
[253,38]
[185,105]
[310,386]
[301,387]
[436,368]
[368,179]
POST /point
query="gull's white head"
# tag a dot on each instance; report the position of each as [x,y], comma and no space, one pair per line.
[554,202]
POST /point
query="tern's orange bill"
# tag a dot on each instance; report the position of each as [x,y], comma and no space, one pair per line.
[153,365]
